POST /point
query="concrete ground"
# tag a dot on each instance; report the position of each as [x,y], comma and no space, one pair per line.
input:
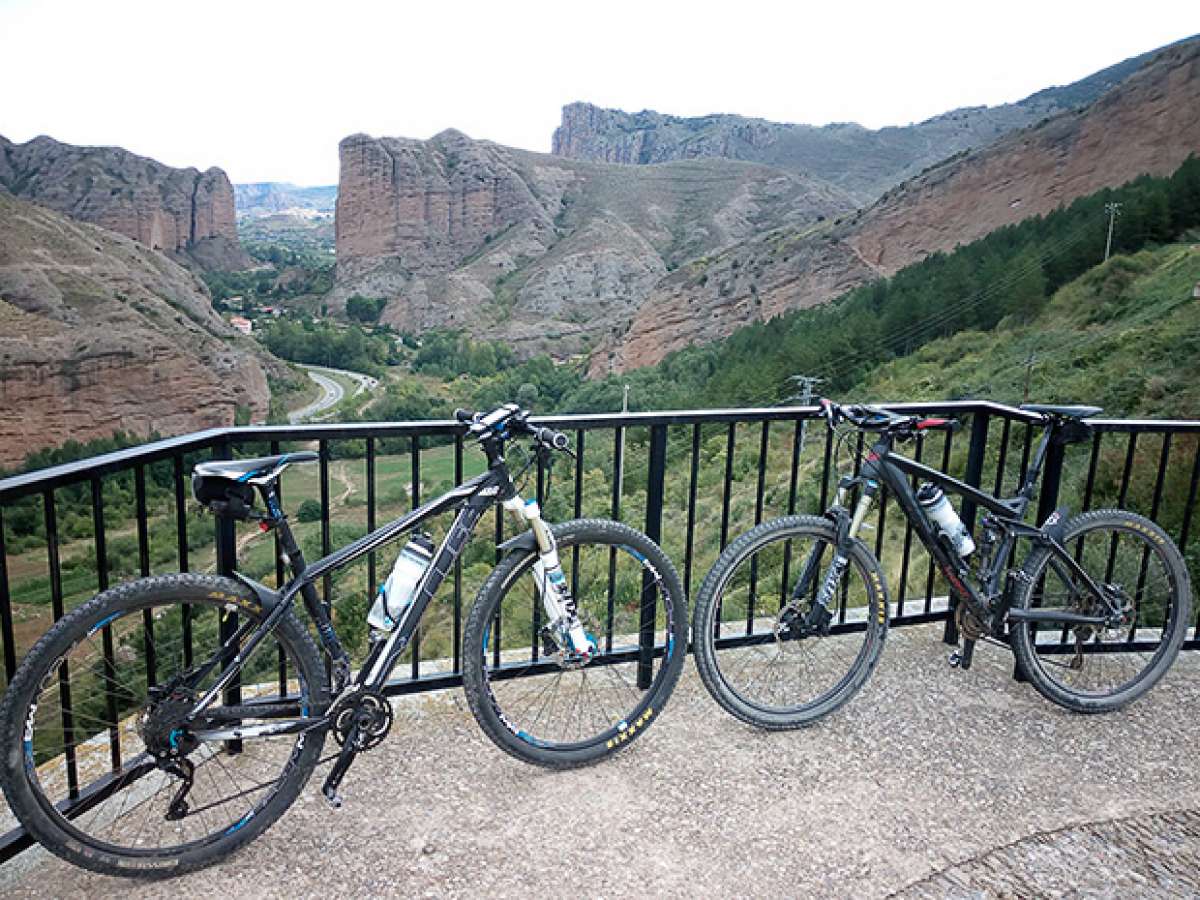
[931,783]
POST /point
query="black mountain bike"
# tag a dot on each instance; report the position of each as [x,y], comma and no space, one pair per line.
[1096,613]
[169,721]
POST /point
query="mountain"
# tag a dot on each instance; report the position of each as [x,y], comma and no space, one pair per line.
[183,212]
[547,253]
[861,161]
[100,333]
[267,198]
[1113,336]
[1144,125]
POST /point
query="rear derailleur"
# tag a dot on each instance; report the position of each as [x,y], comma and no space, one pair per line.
[165,731]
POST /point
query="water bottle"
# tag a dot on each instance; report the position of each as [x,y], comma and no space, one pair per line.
[933,500]
[397,592]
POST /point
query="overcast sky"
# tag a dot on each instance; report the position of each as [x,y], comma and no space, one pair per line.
[266,89]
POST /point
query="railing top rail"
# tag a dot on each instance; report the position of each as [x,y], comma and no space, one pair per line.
[1147,425]
[17,486]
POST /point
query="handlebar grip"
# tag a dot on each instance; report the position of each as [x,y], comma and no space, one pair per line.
[464,415]
[551,438]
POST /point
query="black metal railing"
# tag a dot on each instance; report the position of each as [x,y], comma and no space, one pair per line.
[692,480]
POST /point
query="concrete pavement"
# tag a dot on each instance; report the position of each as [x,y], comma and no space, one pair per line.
[932,783]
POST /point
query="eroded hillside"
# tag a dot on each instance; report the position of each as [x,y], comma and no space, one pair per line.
[99,333]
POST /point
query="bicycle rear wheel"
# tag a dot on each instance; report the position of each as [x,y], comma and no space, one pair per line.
[1093,668]
[543,707]
[95,750]
[755,648]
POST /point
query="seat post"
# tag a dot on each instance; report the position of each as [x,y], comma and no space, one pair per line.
[279,521]
[1039,459]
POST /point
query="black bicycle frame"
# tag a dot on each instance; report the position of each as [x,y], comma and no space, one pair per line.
[472,498]
[884,465]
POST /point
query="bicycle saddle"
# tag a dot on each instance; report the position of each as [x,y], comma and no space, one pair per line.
[262,467]
[1062,412]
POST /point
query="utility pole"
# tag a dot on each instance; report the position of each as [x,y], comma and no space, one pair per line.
[803,395]
[1029,362]
[1113,209]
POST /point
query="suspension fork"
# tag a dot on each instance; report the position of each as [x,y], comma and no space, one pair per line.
[847,526]
[560,606]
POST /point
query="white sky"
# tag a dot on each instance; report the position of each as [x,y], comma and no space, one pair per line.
[266,89]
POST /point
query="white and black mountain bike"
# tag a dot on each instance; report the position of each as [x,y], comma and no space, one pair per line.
[169,721]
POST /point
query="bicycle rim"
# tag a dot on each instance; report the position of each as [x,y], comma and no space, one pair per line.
[89,735]
[550,701]
[754,657]
[1097,661]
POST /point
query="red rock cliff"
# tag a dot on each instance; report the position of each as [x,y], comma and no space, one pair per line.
[159,206]
[427,204]
[99,333]
[1147,124]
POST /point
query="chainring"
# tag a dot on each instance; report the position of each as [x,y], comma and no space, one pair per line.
[970,626]
[371,711]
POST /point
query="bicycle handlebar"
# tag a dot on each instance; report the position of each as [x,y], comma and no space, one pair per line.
[510,419]
[876,418]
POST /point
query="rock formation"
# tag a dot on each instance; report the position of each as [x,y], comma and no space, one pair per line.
[100,333]
[1145,125]
[179,211]
[548,253]
[861,161]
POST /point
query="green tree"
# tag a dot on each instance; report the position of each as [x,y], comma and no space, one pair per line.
[309,511]
[364,309]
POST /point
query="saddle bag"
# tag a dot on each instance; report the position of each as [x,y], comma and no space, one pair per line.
[223,496]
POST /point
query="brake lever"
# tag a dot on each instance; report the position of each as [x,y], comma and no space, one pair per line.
[545,452]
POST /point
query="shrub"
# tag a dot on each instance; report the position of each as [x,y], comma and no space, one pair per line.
[309,511]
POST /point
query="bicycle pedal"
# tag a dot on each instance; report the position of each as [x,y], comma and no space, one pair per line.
[333,798]
[961,659]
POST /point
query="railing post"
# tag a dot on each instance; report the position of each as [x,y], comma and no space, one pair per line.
[6,615]
[1047,501]
[973,477]
[226,540]
[654,503]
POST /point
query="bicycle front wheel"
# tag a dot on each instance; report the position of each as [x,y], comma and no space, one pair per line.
[1100,668]
[96,748]
[537,703]
[764,650]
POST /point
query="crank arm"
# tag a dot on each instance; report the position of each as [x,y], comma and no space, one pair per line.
[340,766]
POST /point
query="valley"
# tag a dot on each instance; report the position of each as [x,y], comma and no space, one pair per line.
[642,244]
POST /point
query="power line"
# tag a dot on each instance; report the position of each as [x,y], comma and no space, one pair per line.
[933,323]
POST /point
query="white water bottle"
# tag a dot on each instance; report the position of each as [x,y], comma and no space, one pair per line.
[397,592]
[933,500]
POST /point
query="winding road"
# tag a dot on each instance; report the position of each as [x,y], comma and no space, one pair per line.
[332,392]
